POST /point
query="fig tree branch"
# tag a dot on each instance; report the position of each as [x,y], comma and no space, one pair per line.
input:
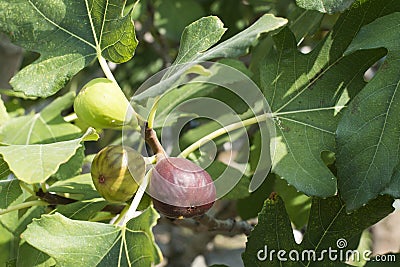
[54,199]
[206,222]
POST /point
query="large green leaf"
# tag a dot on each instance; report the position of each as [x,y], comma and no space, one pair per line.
[68,34]
[327,225]
[368,136]
[329,222]
[46,158]
[325,6]
[81,243]
[306,93]
[46,126]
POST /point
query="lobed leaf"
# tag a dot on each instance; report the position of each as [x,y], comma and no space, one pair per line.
[328,223]
[306,93]
[368,135]
[68,34]
[82,243]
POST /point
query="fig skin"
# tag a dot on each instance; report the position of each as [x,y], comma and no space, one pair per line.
[114,170]
[181,189]
[102,105]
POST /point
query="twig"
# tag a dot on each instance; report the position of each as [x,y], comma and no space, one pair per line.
[208,223]
[54,199]
[229,225]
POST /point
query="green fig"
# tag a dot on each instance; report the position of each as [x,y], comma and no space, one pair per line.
[115,170]
[102,104]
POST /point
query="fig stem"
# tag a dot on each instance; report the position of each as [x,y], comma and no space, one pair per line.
[151,139]
[131,213]
[70,117]
[108,73]
[153,111]
[106,69]
[43,186]
[23,206]
[231,127]
[121,215]
[24,186]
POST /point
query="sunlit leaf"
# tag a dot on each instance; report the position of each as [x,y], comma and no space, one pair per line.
[46,126]
[68,35]
[82,243]
[46,158]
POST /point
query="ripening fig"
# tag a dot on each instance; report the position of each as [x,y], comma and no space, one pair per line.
[181,189]
[102,104]
[115,170]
